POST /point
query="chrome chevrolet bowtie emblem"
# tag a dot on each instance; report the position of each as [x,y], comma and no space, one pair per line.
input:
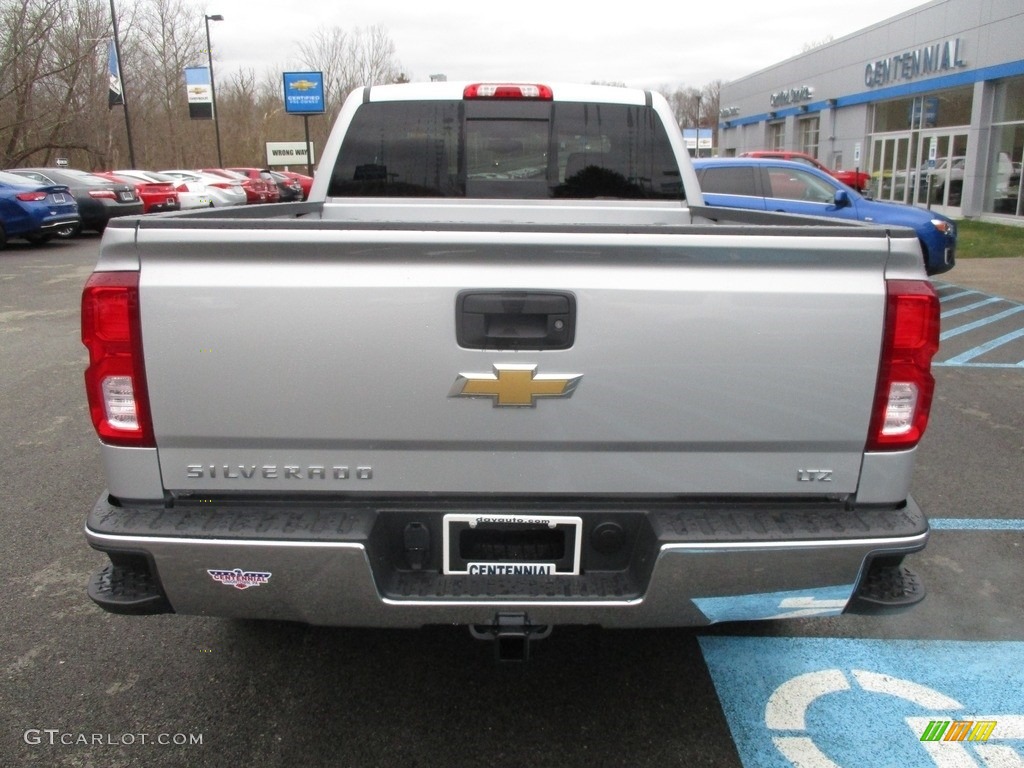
[515,385]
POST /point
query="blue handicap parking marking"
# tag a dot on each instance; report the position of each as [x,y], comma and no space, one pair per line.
[979,330]
[828,702]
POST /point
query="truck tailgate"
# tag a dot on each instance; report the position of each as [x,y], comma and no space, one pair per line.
[326,360]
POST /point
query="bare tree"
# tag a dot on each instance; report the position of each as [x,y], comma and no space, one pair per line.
[167,41]
[348,60]
[327,52]
[816,43]
[53,86]
[695,107]
[373,57]
[26,60]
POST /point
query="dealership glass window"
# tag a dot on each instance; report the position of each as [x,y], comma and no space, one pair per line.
[808,129]
[1002,189]
[1009,101]
[934,110]
[776,138]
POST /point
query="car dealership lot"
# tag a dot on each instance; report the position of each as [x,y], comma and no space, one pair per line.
[82,687]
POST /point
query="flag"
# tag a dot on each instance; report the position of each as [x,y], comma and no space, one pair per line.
[114,95]
[200,93]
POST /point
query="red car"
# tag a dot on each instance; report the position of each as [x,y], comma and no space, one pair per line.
[287,190]
[256,190]
[157,197]
[256,175]
[306,182]
[859,180]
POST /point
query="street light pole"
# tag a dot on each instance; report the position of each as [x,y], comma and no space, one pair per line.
[213,88]
[124,86]
[696,147]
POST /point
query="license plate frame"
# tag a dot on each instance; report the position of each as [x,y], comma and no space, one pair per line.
[546,529]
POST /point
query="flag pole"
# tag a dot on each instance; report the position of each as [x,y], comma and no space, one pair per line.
[124,88]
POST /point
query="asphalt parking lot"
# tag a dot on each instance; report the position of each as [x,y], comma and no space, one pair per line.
[85,688]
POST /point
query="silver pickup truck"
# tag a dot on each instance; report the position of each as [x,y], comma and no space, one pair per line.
[503,369]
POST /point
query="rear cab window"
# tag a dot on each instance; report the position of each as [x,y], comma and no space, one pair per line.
[508,150]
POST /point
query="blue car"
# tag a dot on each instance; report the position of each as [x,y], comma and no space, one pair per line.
[781,185]
[34,211]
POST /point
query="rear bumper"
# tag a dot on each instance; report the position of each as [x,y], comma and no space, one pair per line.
[348,563]
[97,215]
[163,207]
[59,221]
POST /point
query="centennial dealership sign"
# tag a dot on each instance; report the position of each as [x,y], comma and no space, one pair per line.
[929,60]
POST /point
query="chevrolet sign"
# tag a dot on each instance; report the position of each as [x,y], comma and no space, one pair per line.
[304,93]
[515,385]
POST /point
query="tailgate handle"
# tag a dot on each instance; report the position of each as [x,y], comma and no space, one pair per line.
[515,320]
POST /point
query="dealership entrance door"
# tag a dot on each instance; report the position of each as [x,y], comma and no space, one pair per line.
[901,169]
[890,164]
[942,184]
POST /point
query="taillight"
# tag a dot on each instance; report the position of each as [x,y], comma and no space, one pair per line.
[903,396]
[102,193]
[115,380]
[507,91]
[31,197]
[181,188]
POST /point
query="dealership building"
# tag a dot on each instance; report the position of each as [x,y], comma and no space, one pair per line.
[929,102]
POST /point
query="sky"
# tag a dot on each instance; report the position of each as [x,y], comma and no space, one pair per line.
[642,43]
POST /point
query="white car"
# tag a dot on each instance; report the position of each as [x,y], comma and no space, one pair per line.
[188,197]
[223,192]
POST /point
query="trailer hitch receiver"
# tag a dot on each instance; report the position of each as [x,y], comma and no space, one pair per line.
[511,634]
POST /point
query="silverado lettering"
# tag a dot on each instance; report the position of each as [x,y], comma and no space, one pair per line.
[274,471]
[520,231]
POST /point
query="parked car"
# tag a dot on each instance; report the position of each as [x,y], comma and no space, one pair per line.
[34,211]
[157,196]
[99,199]
[859,180]
[781,185]
[290,189]
[222,192]
[189,196]
[256,190]
[306,182]
[261,174]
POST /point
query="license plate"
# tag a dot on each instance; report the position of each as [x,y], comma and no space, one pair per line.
[58,197]
[512,545]
[126,196]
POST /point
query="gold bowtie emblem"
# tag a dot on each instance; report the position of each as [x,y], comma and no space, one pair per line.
[515,385]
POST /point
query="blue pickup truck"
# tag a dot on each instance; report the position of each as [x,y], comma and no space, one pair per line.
[788,187]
